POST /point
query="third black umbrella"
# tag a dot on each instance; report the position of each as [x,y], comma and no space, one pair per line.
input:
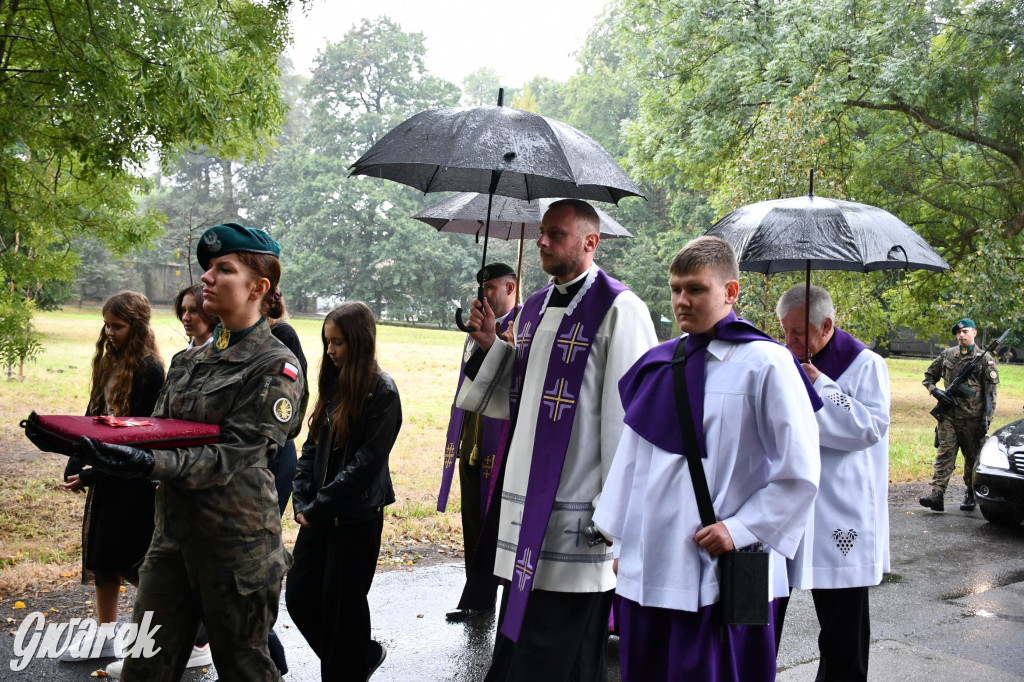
[814,233]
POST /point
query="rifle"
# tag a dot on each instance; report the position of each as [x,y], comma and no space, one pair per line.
[956,386]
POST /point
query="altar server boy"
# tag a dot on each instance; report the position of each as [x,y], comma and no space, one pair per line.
[759,439]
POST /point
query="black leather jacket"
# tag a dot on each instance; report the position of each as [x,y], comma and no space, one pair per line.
[342,484]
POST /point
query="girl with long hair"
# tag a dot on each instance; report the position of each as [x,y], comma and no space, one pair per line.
[217,553]
[127,373]
[197,321]
[342,484]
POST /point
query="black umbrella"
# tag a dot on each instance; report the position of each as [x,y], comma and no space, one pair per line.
[466,213]
[495,150]
[805,233]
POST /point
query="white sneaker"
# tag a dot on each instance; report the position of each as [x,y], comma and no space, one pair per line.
[114,669]
[81,647]
[199,658]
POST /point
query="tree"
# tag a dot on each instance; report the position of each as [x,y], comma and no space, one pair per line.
[353,238]
[196,193]
[480,87]
[918,107]
[98,273]
[599,99]
[89,91]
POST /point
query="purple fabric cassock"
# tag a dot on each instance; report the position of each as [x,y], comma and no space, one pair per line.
[837,355]
[492,441]
[648,387]
[666,644]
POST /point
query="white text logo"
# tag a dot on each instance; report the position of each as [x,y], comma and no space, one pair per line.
[38,639]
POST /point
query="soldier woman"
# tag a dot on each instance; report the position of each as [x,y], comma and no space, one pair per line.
[342,485]
[127,374]
[217,553]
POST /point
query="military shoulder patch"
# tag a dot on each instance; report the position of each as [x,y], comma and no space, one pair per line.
[283,410]
[290,371]
[992,374]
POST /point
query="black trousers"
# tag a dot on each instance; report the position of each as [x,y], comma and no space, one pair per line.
[845,635]
[472,519]
[326,595]
[564,637]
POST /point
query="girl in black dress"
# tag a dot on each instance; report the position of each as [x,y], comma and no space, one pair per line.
[127,373]
[341,487]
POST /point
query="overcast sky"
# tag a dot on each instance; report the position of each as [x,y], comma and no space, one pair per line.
[519,39]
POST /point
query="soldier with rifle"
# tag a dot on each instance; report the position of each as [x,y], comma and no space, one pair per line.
[964,409]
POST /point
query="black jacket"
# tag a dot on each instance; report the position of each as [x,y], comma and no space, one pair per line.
[337,484]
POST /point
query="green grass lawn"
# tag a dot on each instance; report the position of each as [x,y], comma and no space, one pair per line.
[41,525]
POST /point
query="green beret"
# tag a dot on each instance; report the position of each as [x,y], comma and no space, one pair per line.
[492,271]
[220,240]
[963,324]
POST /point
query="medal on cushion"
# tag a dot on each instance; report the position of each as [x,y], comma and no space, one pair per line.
[223,338]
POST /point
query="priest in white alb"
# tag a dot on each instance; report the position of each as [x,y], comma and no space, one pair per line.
[558,384]
[846,544]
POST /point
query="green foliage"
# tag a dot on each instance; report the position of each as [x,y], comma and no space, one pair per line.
[480,87]
[599,99]
[18,342]
[353,238]
[91,91]
[914,107]
[98,273]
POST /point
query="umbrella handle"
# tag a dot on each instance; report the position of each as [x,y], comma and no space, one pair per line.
[460,324]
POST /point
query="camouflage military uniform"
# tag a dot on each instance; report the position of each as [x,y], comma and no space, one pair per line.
[217,554]
[964,426]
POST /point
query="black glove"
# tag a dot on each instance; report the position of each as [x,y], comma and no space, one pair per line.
[944,398]
[44,444]
[116,460]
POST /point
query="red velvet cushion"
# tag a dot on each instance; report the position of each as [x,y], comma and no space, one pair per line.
[63,431]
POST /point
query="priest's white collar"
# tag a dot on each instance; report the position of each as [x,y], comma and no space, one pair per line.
[563,288]
[590,275]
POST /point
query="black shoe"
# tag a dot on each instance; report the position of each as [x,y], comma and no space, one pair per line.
[375,662]
[460,615]
[968,504]
[933,501]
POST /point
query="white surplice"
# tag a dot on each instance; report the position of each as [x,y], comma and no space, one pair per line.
[567,563]
[846,542]
[762,472]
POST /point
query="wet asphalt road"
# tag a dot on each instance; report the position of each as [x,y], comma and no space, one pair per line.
[952,609]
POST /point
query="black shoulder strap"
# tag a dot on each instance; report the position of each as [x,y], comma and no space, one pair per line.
[690,446]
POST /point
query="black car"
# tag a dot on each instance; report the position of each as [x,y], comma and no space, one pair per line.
[999,476]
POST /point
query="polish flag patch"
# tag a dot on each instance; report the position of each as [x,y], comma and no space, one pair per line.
[290,371]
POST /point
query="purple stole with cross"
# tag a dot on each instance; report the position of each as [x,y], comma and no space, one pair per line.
[492,441]
[562,384]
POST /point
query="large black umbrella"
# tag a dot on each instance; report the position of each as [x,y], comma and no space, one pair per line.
[495,150]
[814,233]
